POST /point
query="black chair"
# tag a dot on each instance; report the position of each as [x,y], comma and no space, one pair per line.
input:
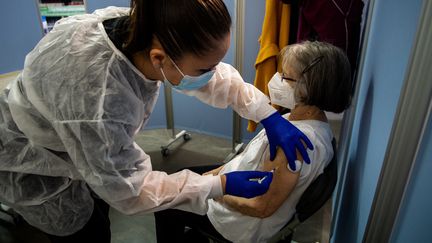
[313,198]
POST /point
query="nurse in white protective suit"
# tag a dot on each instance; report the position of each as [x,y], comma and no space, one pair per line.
[67,123]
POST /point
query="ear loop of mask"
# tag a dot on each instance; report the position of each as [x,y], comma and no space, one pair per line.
[191,82]
[166,81]
[175,65]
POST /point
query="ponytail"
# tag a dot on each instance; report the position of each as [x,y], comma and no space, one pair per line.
[181,26]
[141,30]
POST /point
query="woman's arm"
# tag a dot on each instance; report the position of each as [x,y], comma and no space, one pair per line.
[284,181]
[227,88]
[120,172]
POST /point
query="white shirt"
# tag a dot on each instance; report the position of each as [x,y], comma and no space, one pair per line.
[68,123]
[237,227]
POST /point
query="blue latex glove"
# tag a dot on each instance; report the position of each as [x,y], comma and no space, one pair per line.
[247,184]
[281,133]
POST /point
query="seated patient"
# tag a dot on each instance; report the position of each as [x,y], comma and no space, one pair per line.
[315,78]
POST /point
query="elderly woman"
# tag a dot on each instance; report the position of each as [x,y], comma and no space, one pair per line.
[315,78]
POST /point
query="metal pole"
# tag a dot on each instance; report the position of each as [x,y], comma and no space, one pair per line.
[170,122]
[169,108]
[238,64]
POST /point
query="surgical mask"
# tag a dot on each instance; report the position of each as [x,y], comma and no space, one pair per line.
[190,82]
[281,93]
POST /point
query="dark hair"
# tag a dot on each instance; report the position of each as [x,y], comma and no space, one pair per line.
[325,75]
[181,26]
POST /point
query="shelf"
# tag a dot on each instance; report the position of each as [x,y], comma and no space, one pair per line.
[56,10]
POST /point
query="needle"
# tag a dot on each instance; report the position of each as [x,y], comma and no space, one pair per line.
[260,180]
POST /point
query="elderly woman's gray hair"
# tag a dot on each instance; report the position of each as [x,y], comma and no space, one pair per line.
[324,74]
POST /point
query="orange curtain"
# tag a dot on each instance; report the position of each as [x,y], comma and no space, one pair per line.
[274,36]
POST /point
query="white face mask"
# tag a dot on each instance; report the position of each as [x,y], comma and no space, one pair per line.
[281,93]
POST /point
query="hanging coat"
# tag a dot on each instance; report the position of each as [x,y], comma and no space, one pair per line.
[275,36]
[334,21]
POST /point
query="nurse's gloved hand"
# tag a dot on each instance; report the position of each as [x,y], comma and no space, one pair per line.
[247,184]
[281,133]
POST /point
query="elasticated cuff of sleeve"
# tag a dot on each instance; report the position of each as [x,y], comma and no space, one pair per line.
[216,188]
[266,111]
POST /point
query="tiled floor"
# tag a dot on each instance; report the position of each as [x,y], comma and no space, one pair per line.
[200,150]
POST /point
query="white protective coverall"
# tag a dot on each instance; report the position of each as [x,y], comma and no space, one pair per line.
[67,125]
